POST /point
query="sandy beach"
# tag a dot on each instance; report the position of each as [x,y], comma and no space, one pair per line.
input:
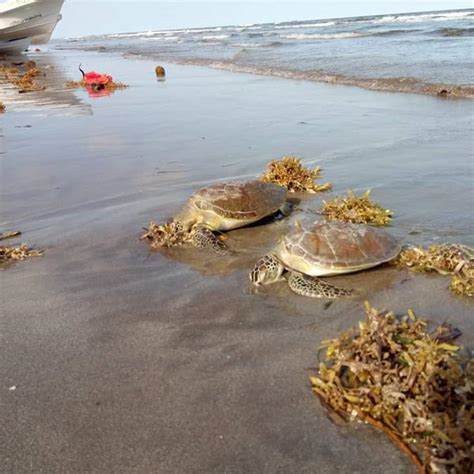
[131,360]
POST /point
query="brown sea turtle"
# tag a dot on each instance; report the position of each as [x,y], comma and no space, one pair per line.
[324,248]
[226,206]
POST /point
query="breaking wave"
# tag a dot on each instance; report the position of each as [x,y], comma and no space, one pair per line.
[286,26]
[424,17]
[324,36]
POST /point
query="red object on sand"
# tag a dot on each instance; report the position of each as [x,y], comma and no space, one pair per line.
[93,77]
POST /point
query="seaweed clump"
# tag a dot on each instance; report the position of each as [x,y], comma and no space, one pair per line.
[2,107]
[15,253]
[26,82]
[109,86]
[447,259]
[23,76]
[408,382]
[170,234]
[356,209]
[290,173]
[97,84]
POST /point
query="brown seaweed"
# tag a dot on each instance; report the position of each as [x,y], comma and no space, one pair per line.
[290,173]
[170,234]
[393,374]
[16,253]
[111,86]
[462,281]
[21,252]
[356,209]
[22,76]
[456,260]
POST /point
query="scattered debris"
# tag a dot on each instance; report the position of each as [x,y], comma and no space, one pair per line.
[2,107]
[290,173]
[160,72]
[412,384]
[356,209]
[170,234]
[448,259]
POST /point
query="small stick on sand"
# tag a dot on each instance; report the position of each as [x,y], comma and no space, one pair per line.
[9,235]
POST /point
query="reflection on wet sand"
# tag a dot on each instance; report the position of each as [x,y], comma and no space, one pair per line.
[249,243]
[56,99]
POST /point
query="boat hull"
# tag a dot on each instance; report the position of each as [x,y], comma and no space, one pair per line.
[14,46]
[34,19]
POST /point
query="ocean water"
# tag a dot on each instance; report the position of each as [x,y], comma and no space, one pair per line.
[412,52]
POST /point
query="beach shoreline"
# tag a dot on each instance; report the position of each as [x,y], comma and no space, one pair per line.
[126,359]
[421,53]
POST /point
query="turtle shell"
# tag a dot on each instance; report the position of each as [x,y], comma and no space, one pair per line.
[246,201]
[332,248]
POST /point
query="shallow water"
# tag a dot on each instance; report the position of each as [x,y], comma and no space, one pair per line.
[128,359]
[413,52]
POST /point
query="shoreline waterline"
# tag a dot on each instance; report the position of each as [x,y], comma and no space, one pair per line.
[407,85]
[422,53]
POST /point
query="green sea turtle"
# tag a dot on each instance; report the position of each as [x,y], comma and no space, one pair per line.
[226,206]
[324,248]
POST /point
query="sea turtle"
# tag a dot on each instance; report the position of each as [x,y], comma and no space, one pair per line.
[226,206]
[324,248]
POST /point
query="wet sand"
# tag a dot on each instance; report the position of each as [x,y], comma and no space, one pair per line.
[128,360]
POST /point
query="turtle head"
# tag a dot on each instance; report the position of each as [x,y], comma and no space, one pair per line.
[186,218]
[267,270]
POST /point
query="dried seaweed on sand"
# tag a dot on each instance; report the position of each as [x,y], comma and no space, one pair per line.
[170,234]
[356,209]
[290,173]
[448,259]
[13,253]
[412,384]
[23,76]
[110,86]
[21,252]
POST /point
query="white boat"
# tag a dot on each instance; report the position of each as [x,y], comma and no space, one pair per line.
[28,19]
[14,46]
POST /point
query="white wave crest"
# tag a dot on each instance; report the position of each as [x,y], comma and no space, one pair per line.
[305,25]
[135,35]
[323,36]
[211,37]
[441,16]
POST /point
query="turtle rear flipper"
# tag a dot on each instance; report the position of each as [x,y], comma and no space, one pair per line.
[204,238]
[314,287]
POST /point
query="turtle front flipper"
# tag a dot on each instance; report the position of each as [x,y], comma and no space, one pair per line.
[204,238]
[314,287]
